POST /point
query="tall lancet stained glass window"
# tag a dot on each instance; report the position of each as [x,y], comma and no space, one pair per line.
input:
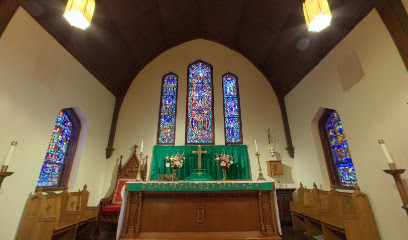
[200,99]
[168,107]
[338,158]
[59,155]
[232,111]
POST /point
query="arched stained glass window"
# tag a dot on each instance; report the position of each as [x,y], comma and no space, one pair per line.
[200,100]
[232,110]
[168,107]
[336,149]
[56,168]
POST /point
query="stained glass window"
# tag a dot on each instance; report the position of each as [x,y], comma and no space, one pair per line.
[200,128]
[340,158]
[168,106]
[232,115]
[56,155]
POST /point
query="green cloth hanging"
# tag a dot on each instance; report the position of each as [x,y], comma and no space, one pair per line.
[239,170]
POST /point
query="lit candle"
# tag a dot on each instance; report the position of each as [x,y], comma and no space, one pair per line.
[10,152]
[141,147]
[385,150]
[256,146]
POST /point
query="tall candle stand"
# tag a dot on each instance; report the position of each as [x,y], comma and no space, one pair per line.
[4,173]
[260,177]
[139,171]
[396,173]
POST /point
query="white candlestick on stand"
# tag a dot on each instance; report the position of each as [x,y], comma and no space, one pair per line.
[387,154]
[8,156]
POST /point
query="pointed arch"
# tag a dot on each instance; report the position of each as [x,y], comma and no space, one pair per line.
[57,165]
[232,109]
[166,134]
[200,104]
[336,150]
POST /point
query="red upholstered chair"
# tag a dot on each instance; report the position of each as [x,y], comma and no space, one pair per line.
[109,207]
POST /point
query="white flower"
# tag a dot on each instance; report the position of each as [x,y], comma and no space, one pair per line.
[231,162]
[167,164]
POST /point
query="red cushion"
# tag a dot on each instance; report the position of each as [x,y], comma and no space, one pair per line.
[112,208]
[117,198]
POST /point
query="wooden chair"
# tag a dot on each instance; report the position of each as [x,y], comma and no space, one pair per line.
[109,207]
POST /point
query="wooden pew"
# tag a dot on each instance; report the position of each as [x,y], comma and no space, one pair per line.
[58,216]
[333,214]
[88,217]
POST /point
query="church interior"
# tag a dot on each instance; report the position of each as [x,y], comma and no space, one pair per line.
[109,80]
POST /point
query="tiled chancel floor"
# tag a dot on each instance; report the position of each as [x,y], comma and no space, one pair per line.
[108,233]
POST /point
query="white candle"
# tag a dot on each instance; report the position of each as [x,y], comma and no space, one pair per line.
[385,150]
[9,153]
[256,146]
[141,147]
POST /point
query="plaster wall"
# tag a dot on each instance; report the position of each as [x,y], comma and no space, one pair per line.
[365,80]
[139,114]
[38,77]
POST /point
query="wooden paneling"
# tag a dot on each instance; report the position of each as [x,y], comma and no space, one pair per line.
[200,215]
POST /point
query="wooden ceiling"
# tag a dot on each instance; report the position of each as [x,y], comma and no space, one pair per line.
[126,35]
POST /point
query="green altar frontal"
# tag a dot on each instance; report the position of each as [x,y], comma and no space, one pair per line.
[198,186]
[239,170]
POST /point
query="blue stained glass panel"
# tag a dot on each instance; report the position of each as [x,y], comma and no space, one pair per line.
[200,103]
[340,150]
[49,175]
[168,109]
[56,151]
[232,118]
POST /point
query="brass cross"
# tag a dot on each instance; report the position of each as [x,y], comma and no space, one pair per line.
[199,173]
[201,185]
[199,152]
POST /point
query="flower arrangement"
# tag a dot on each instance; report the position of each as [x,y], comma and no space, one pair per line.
[223,160]
[175,161]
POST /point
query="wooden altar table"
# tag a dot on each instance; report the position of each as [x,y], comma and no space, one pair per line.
[200,210]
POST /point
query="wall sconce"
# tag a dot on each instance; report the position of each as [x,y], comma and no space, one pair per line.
[272,151]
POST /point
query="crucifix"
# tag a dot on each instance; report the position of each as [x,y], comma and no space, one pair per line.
[199,152]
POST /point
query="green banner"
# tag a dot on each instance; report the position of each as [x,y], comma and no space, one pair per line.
[181,186]
[239,170]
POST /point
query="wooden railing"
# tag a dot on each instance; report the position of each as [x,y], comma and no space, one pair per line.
[58,216]
[334,215]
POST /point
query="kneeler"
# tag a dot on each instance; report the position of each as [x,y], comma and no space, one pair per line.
[109,207]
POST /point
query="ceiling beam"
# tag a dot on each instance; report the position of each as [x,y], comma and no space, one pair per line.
[7,10]
[395,18]
[163,33]
[238,25]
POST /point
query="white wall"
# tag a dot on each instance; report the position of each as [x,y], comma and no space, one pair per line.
[373,108]
[139,114]
[38,77]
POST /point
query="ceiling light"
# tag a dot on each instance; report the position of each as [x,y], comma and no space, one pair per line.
[317,14]
[79,12]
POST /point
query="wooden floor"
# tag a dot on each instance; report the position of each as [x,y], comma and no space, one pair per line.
[109,232]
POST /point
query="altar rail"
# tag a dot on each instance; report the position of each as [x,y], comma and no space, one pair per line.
[333,214]
[58,216]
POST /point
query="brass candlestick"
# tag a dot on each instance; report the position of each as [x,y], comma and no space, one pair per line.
[260,177]
[139,171]
[396,173]
[4,173]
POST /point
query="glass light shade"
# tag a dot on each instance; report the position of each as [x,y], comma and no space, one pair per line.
[317,14]
[79,12]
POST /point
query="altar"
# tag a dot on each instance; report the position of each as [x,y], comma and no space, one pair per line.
[199,210]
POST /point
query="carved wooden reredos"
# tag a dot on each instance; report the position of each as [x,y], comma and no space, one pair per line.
[130,169]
